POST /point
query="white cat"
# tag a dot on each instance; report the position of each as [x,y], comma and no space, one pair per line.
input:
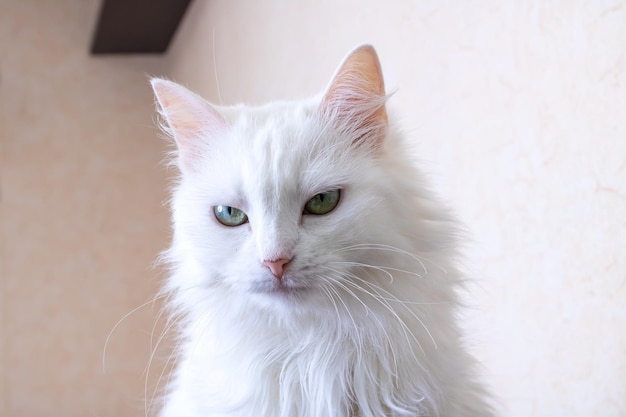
[312,272]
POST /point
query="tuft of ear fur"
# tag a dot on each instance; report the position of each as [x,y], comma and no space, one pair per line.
[188,118]
[355,99]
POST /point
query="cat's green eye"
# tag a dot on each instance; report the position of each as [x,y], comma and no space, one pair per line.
[322,203]
[230,216]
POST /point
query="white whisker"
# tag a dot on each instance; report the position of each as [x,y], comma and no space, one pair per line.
[384,269]
[407,331]
[384,330]
[171,323]
[119,322]
[394,298]
[388,248]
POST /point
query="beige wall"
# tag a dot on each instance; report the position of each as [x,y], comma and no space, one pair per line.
[81,215]
[517,109]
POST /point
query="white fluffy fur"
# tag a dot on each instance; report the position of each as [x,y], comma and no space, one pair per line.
[368,326]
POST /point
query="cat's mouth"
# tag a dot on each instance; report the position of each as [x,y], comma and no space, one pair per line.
[278,288]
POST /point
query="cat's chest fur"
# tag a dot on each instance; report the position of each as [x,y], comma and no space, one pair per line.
[313,370]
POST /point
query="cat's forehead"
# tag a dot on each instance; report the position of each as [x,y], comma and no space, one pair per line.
[281,150]
[282,134]
[271,117]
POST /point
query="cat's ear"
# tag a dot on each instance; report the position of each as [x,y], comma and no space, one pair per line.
[190,119]
[355,98]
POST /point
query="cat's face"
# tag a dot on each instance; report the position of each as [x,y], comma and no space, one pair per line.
[279,203]
[278,186]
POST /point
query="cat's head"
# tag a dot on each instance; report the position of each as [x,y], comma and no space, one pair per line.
[283,203]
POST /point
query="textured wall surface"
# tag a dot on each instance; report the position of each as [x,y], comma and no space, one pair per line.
[81,215]
[517,108]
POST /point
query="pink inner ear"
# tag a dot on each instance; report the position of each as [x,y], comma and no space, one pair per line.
[357,92]
[190,119]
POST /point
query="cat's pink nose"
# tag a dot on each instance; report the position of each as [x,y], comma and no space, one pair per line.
[277,266]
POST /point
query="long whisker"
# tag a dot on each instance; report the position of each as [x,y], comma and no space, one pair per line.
[420,258]
[154,345]
[392,297]
[331,298]
[386,305]
[389,248]
[377,288]
[359,343]
[380,324]
[119,322]
[384,269]
[334,290]
[171,323]
[386,333]
[407,331]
